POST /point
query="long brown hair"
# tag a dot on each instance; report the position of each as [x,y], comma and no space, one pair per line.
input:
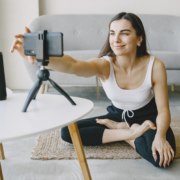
[138,26]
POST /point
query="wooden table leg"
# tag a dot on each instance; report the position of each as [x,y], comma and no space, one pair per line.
[76,139]
[172,87]
[1,175]
[41,89]
[46,88]
[1,152]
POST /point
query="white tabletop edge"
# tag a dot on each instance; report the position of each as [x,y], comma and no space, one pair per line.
[45,131]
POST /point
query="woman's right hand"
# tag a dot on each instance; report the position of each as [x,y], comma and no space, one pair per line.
[18,46]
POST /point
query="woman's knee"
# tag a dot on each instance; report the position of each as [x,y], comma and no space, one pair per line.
[65,134]
[146,153]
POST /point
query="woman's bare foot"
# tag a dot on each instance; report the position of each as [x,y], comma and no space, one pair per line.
[122,125]
[139,130]
[112,124]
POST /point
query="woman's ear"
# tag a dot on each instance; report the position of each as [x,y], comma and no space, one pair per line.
[139,41]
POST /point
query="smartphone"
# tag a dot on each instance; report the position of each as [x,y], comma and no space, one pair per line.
[54,44]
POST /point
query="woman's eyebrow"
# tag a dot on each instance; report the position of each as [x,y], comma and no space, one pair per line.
[121,30]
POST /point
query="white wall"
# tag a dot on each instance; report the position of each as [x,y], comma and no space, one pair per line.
[109,6]
[16,14]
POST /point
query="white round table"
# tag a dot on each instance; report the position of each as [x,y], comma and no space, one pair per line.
[46,113]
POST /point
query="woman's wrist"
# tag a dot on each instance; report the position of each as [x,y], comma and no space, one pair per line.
[158,135]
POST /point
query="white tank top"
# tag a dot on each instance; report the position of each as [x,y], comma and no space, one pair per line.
[129,100]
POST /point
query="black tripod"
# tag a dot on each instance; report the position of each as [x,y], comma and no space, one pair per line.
[42,73]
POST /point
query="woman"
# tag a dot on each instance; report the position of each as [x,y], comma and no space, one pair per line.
[128,73]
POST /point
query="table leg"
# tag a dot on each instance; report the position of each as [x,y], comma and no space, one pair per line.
[1,152]
[1,175]
[172,87]
[76,139]
[41,89]
[46,88]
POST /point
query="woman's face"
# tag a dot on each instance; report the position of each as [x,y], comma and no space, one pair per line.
[123,39]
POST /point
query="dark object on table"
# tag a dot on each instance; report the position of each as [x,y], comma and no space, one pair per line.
[3,94]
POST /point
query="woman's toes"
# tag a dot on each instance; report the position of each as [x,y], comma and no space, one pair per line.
[151,124]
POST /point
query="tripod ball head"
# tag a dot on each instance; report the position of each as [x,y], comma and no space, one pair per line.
[43,74]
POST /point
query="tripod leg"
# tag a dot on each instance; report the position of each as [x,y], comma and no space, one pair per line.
[37,91]
[61,91]
[31,94]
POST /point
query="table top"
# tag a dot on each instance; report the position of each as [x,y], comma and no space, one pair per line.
[47,112]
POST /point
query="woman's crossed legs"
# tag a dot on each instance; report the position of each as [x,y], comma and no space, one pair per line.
[140,137]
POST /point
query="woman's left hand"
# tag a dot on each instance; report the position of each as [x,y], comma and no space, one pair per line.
[165,150]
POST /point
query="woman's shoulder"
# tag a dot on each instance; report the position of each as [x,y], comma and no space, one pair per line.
[158,70]
[157,64]
[105,60]
[108,59]
[155,58]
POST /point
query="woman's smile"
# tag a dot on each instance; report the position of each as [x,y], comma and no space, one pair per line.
[118,47]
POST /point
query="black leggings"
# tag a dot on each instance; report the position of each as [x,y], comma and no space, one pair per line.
[91,132]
